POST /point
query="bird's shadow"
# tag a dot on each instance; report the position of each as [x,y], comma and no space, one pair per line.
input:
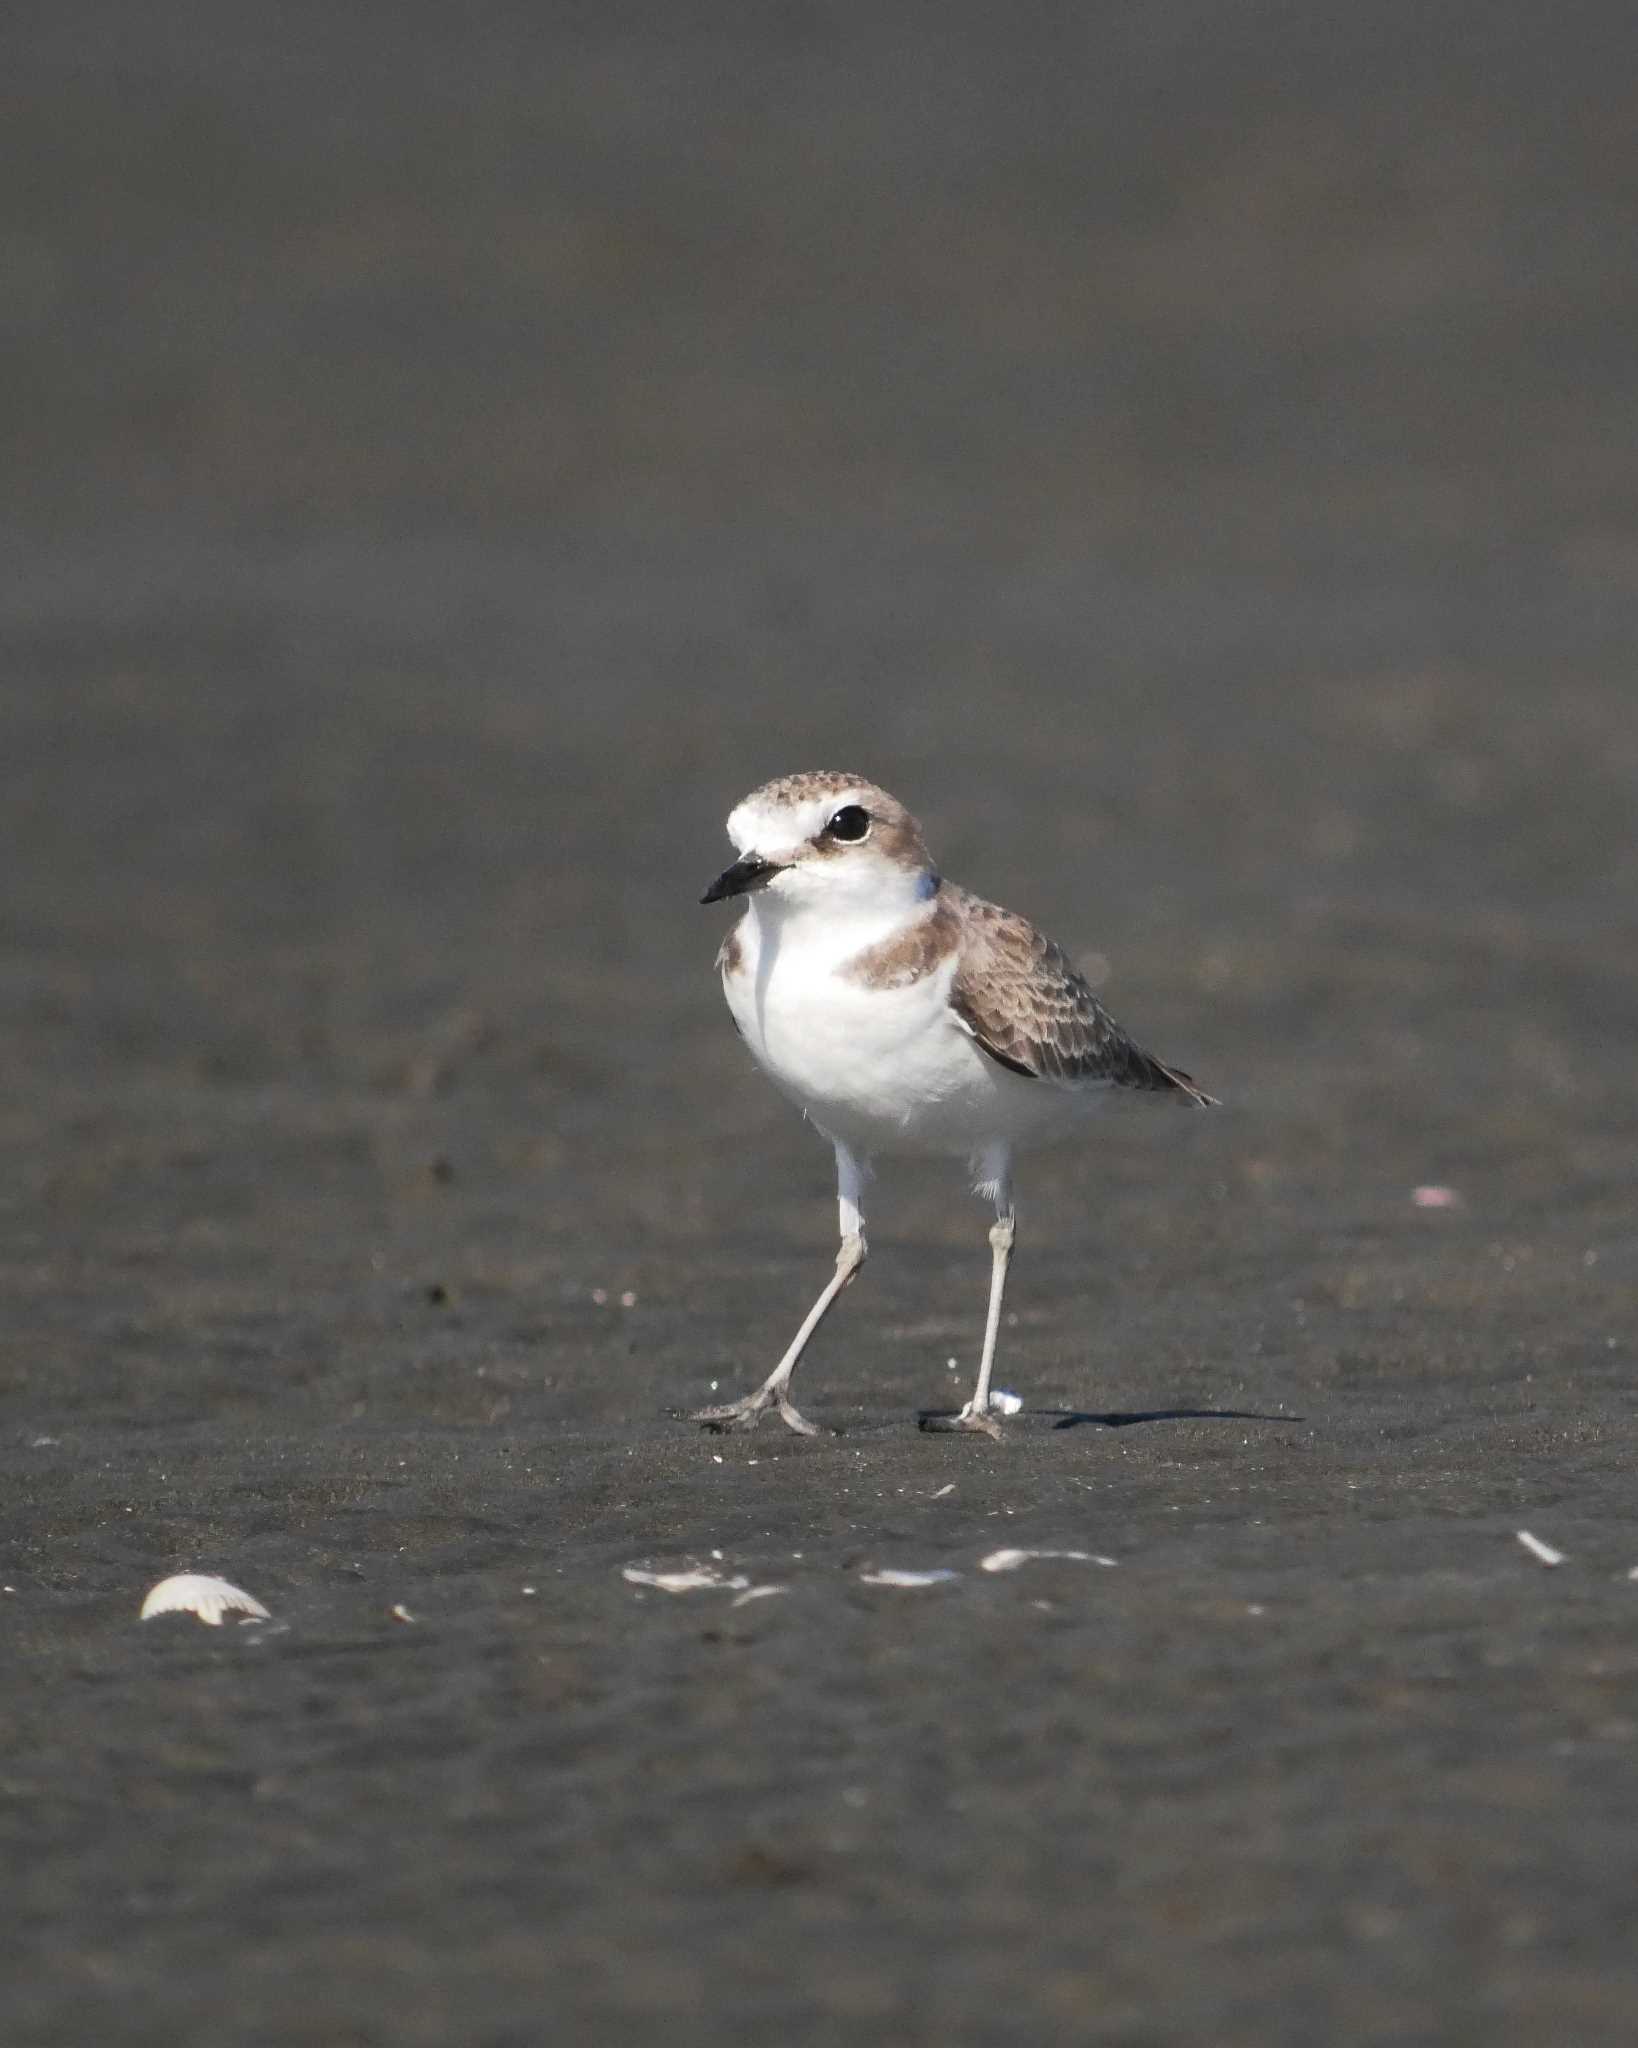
[1119,1418]
[1072,1418]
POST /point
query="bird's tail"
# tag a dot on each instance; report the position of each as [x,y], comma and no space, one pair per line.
[1184,1084]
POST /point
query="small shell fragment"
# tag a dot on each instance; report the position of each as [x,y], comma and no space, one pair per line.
[1010,1560]
[697,1580]
[1543,1553]
[212,1600]
[1004,1403]
[756,1593]
[892,1576]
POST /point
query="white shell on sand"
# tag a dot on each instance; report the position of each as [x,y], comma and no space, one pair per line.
[212,1600]
[1543,1552]
[697,1580]
[756,1593]
[892,1575]
[1010,1560]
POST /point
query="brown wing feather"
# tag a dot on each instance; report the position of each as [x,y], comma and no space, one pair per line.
[1032,1013]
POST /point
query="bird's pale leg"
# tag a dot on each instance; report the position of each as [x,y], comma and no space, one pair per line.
[1003,1234]
[774,1392]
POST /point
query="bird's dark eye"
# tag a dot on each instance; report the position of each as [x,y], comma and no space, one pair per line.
[850,823]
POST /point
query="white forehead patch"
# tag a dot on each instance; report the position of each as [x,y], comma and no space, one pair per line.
[774,829]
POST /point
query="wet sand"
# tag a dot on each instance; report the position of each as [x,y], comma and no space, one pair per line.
[1185,456]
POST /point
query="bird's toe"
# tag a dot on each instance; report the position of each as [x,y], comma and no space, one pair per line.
[972,1420]
[736,1415]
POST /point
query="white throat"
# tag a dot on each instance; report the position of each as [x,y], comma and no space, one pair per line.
[835,924]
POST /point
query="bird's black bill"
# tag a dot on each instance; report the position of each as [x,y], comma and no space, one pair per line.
[741,879]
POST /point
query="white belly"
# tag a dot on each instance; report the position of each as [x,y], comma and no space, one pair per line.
[875,1067]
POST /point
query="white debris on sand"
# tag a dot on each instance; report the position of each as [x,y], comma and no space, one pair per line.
[756,1593]
[891,1576]
[1432,1197]
[1543,1553]
[701,1578]
[196,1593]
[1010,1560]
[1004,1403]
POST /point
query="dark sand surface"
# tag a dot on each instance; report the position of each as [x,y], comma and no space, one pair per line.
[1187,452]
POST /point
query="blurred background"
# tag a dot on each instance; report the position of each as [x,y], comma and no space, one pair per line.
[1186,450]
[450,454]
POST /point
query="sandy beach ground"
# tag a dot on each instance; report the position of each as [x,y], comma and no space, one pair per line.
[1186,452]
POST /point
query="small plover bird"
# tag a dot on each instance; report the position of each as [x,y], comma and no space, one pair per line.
[901,1013]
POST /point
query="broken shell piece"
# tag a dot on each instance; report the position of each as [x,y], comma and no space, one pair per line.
[697,1580]
[1010,1560]
[1544,1553]
[892,1576]
[1004,1403]
[756,1593]
[212,1600]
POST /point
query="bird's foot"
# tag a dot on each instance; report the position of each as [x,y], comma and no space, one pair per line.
[746,1414]
[980,1420]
